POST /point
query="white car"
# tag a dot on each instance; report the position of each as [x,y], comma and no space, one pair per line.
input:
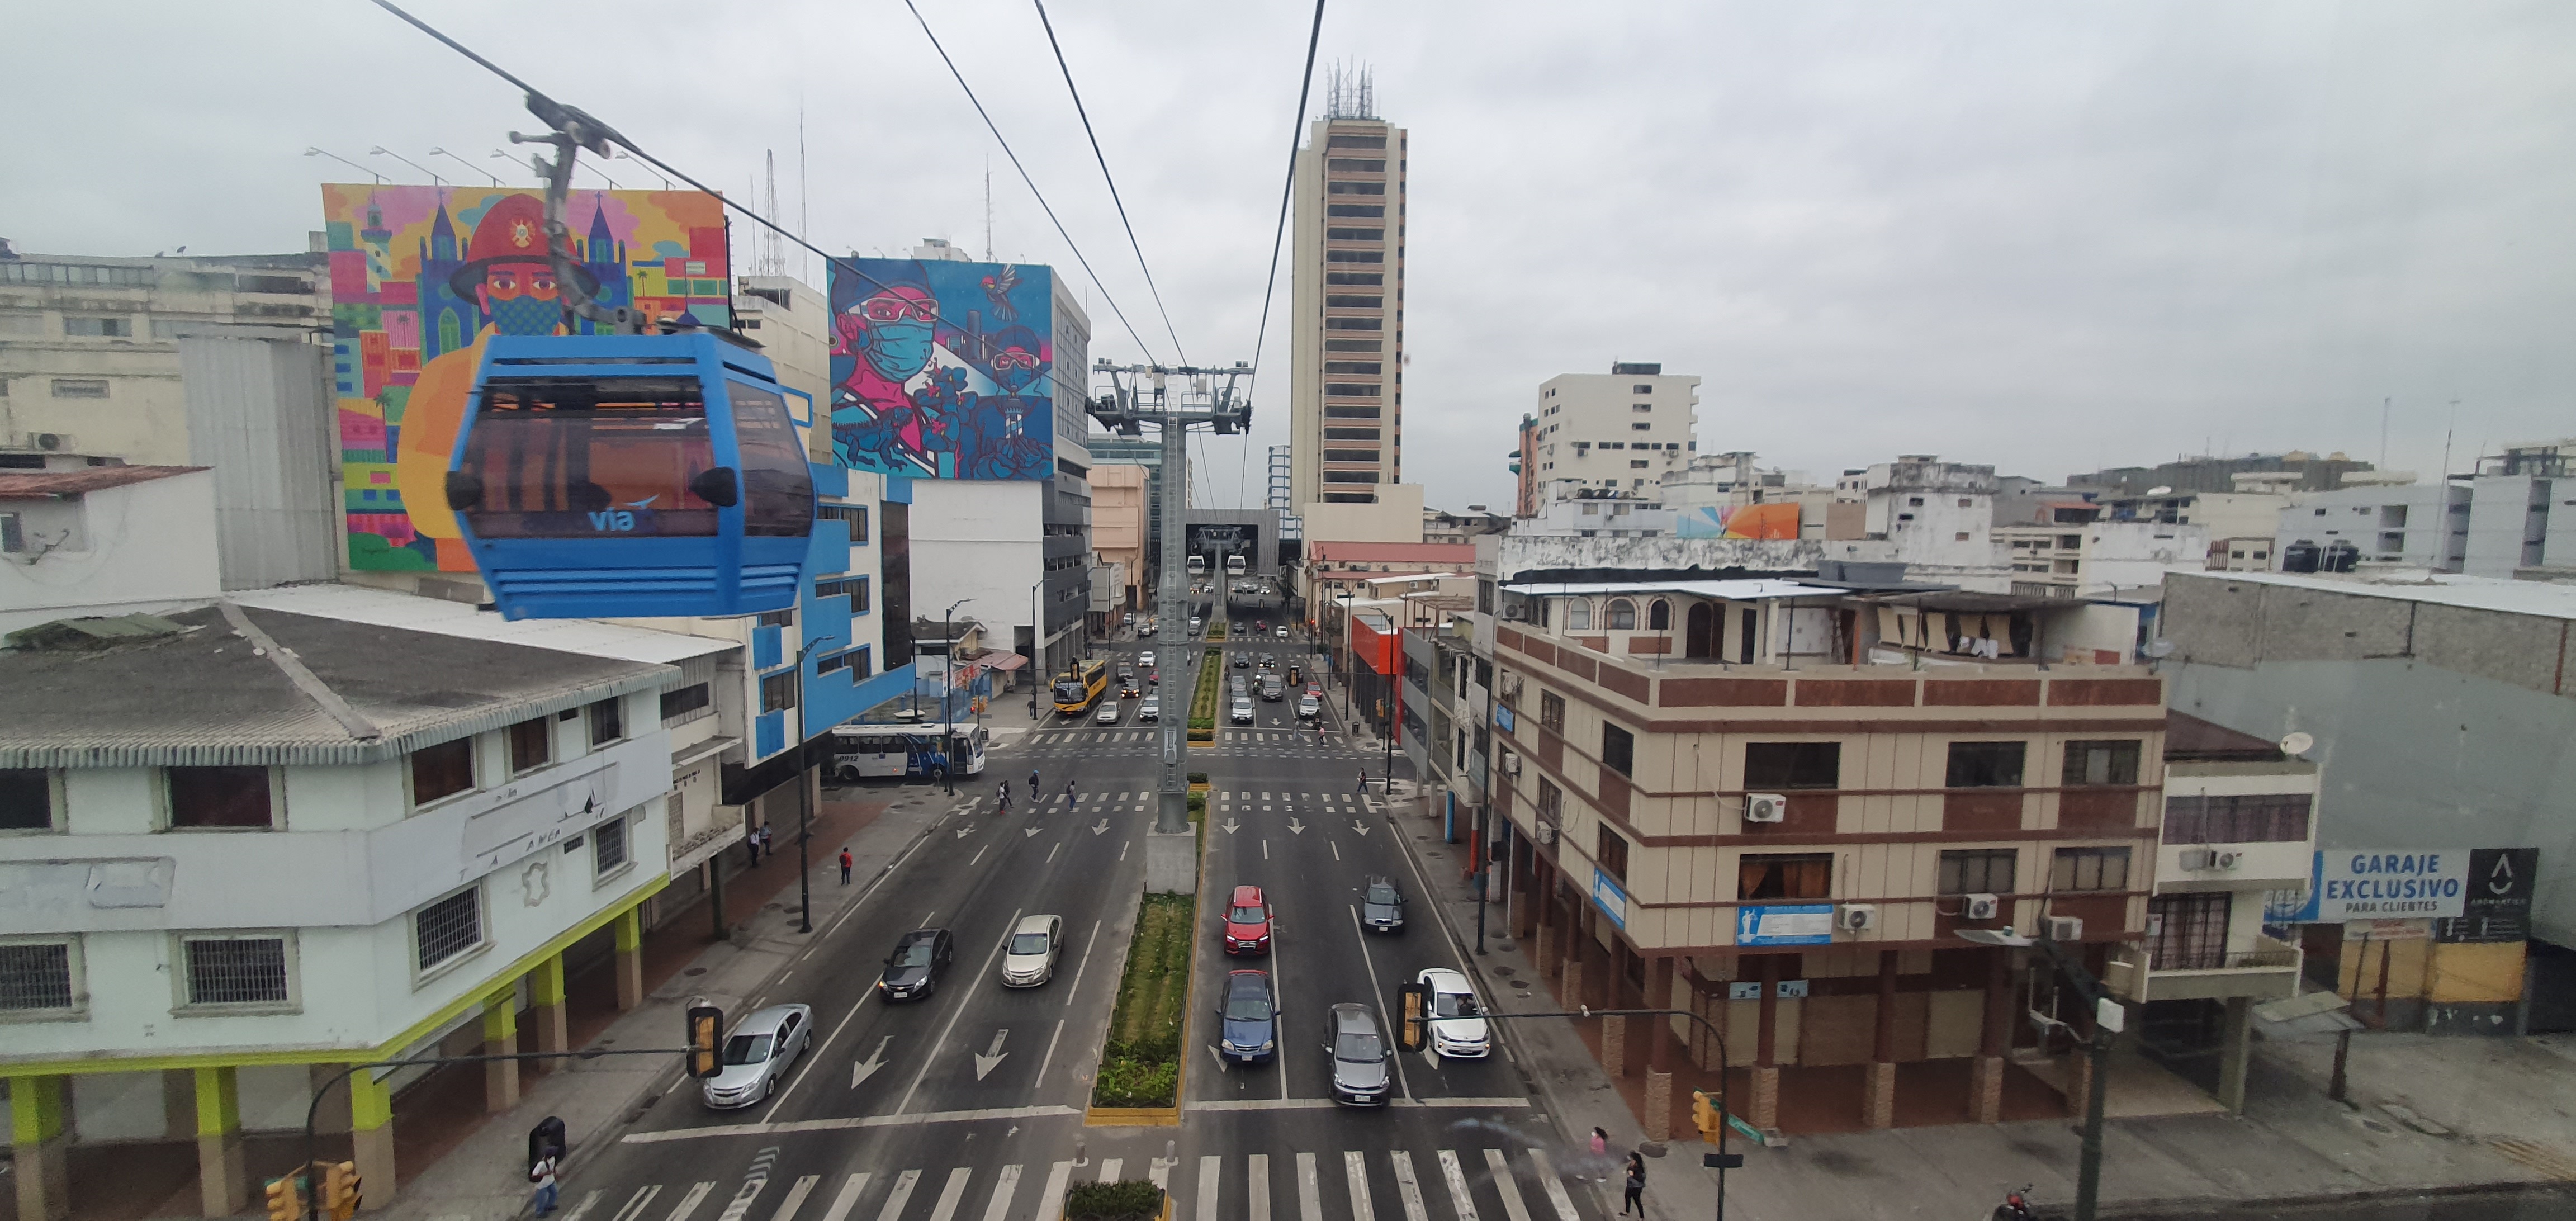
[757,1054]
[1108,714]
[1283,631]
[1242,711]
[1145,658]
[1456,1029]
[1151,709]
[1029,959]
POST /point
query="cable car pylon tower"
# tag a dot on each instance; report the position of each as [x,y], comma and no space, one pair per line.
[1174,399]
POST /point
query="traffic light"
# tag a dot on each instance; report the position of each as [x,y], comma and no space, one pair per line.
[285,1201]
[706,1040]
[1705,1117]
[1413,1016]
[342,1190]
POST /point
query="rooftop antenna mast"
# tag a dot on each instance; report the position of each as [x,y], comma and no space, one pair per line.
[988,207]
[773,255]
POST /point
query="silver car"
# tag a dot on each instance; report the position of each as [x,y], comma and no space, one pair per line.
[1029,959]
[1359,1055]
[758,1053]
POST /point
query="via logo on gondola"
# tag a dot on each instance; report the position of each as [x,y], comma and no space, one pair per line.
[619,521]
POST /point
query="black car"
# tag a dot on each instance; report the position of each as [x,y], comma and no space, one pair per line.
[1381,906]
[1243,661]
[912,971]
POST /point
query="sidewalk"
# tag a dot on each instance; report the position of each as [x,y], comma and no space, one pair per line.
[478,1174]
[2468,1113]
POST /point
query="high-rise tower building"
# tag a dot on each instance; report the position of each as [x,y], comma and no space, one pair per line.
[1346,355]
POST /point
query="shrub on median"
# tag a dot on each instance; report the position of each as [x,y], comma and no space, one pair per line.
[1132,1200]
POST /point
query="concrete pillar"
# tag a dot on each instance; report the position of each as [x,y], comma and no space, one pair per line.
[1878,1090]
[630,958]
[501,1038]
[1986,1076]
[1614,1045]
[1659,1049]
[371,1136]
[1765,1111]
[1578,938]
[178,1104]
[548,1012]
[223,1179]
[331,1114]
[40,1137]
[2235,1046]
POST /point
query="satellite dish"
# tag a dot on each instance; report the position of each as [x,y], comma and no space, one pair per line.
[2160,647]
[2160,490]
[2298,744]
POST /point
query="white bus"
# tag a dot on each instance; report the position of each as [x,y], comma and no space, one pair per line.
[861,752]
[1234,565]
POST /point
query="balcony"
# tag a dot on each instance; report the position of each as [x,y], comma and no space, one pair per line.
[2267,970]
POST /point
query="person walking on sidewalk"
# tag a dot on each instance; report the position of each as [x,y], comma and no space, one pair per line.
[543,1175]
[1636,1186]
[845,866]
[1600,1155]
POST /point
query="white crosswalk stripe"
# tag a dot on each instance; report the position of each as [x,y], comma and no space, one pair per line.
[1202,1189]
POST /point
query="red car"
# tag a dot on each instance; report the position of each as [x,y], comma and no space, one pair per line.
[1247,922]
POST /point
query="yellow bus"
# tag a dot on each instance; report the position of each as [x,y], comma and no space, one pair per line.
[1077,689]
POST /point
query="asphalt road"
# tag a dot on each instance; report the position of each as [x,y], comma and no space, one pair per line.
[968,1103]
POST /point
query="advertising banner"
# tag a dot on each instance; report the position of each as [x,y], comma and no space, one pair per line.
[1607,896]
[2498,907]
[1785,924]
[2349,884]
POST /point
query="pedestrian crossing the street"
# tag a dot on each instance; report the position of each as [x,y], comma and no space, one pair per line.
[1344,1185]
[1253,801]
[1269,741]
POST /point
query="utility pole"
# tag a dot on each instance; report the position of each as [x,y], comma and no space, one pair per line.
[1143,394]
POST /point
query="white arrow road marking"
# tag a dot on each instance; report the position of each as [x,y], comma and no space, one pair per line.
[1028,832]
[1104,825]
[862,1070]
[1361,827]
[1295,827]
[964,831]
[984,1063]
[1229,826]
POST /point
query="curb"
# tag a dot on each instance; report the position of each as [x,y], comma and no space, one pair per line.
[2223,1206]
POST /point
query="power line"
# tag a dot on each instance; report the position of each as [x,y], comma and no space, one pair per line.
[1288,188]
[1032,183]
[1111,180]
[1081,392]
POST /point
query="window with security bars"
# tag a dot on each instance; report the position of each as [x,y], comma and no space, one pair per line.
[449,927]
[2112,762]
[2237,818]
[608,847]
[2188,932]
[1977,871]
[237,971]
[35,976]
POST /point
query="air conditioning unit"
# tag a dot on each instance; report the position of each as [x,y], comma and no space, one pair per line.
[2226,860]
[1980,907]
[52,442]
[1511,763]
[1547,833]
[1765,807]
[1857,917]
[2196,858]
[1511,687]
[1515,614]
[2066,928]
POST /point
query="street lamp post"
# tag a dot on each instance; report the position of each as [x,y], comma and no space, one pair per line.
[316,152]
[947,688]
[382,151]
[440,152]
[2088,1165]
[1037,649]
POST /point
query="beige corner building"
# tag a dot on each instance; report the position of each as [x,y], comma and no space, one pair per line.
[1346,355]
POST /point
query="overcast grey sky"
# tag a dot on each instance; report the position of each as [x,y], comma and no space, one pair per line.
[2044,236]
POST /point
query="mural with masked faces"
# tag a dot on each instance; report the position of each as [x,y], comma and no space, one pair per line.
[420,276]
[943,369]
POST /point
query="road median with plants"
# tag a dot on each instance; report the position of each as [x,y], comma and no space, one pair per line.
[1203,700]
[1139,1081]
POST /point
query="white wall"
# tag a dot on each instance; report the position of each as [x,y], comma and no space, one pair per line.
[142,547]
[2135,554]
[978,541]
[1395,518]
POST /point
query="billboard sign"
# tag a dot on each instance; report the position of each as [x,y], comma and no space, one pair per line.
[1607,896]
[1785,924]
[2346,884]
[2498,906]
[420,276]
[943,369]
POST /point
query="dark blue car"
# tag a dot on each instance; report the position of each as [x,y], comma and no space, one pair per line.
[1251,1015]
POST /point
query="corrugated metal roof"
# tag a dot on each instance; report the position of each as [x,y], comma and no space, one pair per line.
[1755,589]
[386,608]
[207,696]
[24,485]
[2542,598]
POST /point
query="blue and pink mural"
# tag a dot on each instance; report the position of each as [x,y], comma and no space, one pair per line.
[944,369]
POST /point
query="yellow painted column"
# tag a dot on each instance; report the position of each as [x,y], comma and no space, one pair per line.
[223,1181]
[371,1137]
[547,1009]
[630,958]
[40,1138]
[501,1038]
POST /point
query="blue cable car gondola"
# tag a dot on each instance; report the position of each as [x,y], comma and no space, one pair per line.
[606,476]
